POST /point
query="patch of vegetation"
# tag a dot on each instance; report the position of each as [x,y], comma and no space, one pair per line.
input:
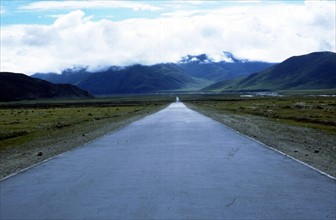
[313,112]
[22,122]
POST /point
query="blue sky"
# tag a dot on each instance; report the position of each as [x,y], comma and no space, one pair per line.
[43,12]
[18,12]
[127,32]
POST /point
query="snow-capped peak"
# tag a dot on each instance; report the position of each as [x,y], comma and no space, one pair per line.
[203,58]
[213,58]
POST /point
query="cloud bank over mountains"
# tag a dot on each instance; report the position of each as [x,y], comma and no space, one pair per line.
[267,32]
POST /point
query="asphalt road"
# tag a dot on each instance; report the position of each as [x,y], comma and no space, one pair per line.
[174,164]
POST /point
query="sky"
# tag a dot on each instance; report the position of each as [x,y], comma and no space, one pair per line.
[50,36]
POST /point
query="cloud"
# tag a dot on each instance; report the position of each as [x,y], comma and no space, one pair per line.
[194,2]
[181,13]
[54,16]
[271,32]
[73,5]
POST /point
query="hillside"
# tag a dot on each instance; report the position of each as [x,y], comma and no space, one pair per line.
[311,71]
[139,79]
[201,66]
[68,76]
[16,86]
[190,74]
[131,79]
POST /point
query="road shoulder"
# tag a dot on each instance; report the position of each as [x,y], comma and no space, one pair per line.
[310,146]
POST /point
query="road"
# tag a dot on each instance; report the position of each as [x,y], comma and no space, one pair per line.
[174,164]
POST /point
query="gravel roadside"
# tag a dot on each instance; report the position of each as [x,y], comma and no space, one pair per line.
[310,146]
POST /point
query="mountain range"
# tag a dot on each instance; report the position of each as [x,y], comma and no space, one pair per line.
[131,79]
[311,71]
[230,68]
[16,86]
[192,73]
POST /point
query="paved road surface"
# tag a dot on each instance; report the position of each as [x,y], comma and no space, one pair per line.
[175,164]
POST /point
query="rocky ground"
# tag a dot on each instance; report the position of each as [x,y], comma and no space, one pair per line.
[313,147]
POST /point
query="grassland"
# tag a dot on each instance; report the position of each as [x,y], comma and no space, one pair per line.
[312,112]
[303,127]
[21,125]
[31,131]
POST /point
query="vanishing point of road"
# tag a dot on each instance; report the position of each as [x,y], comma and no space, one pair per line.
[174,164]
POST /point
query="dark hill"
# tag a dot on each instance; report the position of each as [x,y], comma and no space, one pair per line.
[312,71]
[16,86]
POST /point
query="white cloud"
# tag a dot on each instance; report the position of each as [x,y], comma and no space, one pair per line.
[73,5]
[271,32]
[194,2]
[54,16]
[182,13]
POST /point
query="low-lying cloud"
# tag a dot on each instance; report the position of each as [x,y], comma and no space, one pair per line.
[270,32]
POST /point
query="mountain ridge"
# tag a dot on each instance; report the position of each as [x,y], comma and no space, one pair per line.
[316,70]
[186,75]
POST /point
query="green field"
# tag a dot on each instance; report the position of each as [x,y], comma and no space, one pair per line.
[306,111]
[22,122]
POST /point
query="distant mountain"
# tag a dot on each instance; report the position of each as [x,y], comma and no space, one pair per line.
[72,76]
[312,71]
[16,86]
[140,79]
[226,68]
[190,74]
[223,71]
[131,79]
